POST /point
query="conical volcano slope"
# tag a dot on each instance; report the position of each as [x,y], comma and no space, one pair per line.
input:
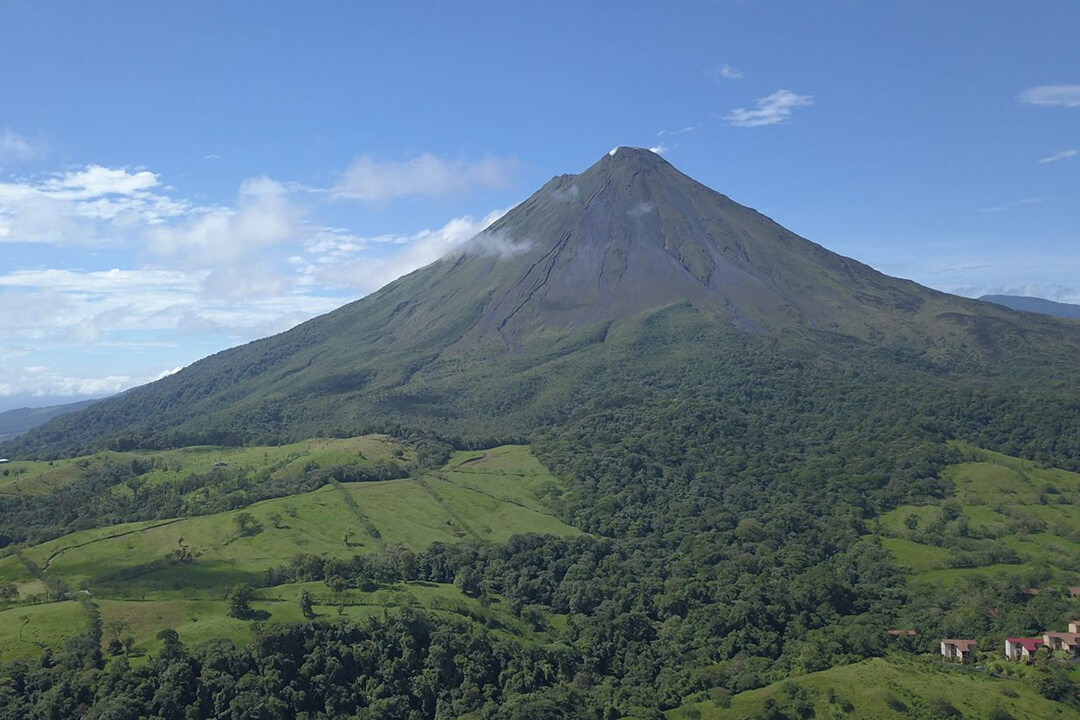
[622,274]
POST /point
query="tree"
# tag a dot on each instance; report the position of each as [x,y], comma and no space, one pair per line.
[246,524]
[116,627]
[240,598]
[9,592]
[306,603]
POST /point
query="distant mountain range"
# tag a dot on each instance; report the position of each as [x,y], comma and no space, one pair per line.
[626,274]
[1035,305]
[14,423]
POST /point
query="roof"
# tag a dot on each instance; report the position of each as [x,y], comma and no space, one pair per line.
[1029,644]
[902,632]
[1075,591]
[961,645]
[1071,638]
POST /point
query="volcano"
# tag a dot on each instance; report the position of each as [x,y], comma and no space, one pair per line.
[620,276]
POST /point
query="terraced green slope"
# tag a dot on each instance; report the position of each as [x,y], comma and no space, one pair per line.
[879,688]
[1008,517]
[176,572]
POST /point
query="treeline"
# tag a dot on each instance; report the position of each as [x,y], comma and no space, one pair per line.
[403,665]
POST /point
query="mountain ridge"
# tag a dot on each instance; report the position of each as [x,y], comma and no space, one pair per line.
[1042,306]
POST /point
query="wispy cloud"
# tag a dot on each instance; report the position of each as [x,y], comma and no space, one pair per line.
[724,72]
[1014,204]
[1063,155]
[661,148]
[1053,95]
[196,278]
[14,146]
[43,381]
[371,179]
[680,131]
[341,266]
[769,110]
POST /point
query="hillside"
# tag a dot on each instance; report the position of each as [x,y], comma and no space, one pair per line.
[1035,305]
[617,275]
[894,687]
[177,572]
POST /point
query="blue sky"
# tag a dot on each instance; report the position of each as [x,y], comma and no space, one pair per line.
[179,178]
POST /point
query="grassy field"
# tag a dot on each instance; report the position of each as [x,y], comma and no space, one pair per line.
[39,477]
[34,477]
[896,687]
[1007,517]
[133,572]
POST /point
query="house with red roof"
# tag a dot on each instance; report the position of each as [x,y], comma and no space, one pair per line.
[1018,648]
[958,650]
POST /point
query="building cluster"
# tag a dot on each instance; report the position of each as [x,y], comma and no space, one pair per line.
[1018,648]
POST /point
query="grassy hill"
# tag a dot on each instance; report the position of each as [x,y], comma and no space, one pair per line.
[893,687]
[1007,517]
[176,572]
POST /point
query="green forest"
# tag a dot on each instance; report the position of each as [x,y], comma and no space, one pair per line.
[658,552]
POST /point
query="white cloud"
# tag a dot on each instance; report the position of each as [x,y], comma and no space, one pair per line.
[41,309]
[263,217]
[199,278]
[769,110]
[1053,95]
[95,181]
[14,146]
[41,381]
[724,72]
[370,179]
[1063,155]
[570,194]
[418,250]
[661,148]
[93,205]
